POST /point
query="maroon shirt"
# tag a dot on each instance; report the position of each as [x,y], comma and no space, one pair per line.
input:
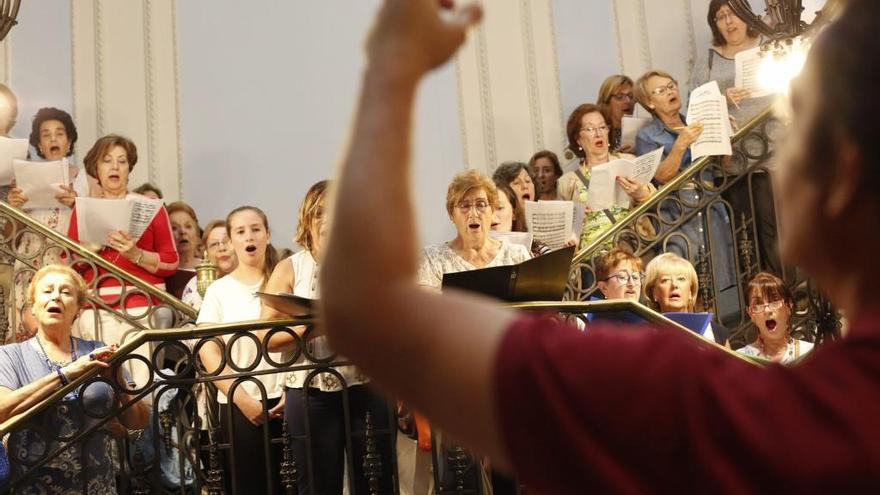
[644,411]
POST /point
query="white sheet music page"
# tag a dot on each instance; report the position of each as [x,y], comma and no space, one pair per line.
[708,106]
[10,149]
[40,182]
[550,221]
[747,64]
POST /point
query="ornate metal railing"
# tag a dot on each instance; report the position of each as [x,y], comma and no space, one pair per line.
[718,213]
[183,449]
[33,245]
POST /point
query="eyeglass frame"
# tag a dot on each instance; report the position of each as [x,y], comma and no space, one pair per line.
[592,130]
[725,17]
[217,244]
[624,96]
[766,307]
[662,90]
[629,276]
[473,206]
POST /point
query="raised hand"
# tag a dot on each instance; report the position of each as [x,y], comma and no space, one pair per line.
[689,135]
[410,37]
[638,192]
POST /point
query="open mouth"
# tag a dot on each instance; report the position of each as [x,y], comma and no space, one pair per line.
[770,324]
[527,197]
[493,225]
[599,143]
[674,99]
[473,226]
[251,249]
[54,310]
[183,241]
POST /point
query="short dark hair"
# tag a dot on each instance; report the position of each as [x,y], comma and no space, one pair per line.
[550,156]
[717,37]
[103,146]
[148,187]
[508,171]
[50,113]
[573,127]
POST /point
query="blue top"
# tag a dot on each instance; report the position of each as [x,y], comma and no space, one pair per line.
[23,363]
[656,134]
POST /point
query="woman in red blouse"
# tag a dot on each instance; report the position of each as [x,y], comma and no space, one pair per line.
[152,257]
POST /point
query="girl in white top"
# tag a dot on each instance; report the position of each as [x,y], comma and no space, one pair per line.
[325,391]
[232,299]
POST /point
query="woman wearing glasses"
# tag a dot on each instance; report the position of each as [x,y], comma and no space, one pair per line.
[620,275]
[617,94]
[657,91]
[588,130]
[220,253]
[470,202]
[730,36]
[770,307]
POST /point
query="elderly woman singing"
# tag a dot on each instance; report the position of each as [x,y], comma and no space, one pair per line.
[32,370]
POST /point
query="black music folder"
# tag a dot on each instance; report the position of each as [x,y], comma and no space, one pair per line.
[538,279]
[289,304]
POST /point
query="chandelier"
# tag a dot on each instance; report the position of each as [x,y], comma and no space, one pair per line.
[8,13]
[787,37]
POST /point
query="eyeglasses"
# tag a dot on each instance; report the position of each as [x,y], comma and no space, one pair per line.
[625,277]
[662,90]
[595,131]
[766,307]
[480,205]
[726,17]
[218,244]
[623,96]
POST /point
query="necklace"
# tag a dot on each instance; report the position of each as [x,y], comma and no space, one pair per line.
[55,366]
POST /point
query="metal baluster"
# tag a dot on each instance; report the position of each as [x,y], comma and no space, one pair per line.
[288,465]
[214,476]
[372,457]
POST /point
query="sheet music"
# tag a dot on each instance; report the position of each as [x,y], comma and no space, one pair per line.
[97,218]
[143,210]
[578,214]
[629,128]
[521,238]
[645,166]
[605,192]
[40,182]
[550,221]
[10,149]
[748,66]
[708,106]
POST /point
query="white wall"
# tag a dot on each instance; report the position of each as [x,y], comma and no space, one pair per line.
[39,62]
[265,112]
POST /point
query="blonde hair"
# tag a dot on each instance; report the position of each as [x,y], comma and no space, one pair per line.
[609,85]
[78,283]
[643,96]
[466,181]
[662,265]
[307,212]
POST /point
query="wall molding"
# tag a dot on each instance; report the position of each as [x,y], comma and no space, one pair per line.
[486,99]
[126,82]
[528,37]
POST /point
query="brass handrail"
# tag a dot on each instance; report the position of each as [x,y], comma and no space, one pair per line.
[141,337]
[590,250]
[75,247]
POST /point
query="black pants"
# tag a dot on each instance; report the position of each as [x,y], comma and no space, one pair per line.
[320,448]
[249,461]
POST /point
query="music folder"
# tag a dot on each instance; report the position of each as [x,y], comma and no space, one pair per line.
[695,322]
[289,304]
[539,279]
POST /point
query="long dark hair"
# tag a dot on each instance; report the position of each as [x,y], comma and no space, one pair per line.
[271,258]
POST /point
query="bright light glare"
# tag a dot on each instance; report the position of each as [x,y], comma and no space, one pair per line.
[783,64]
